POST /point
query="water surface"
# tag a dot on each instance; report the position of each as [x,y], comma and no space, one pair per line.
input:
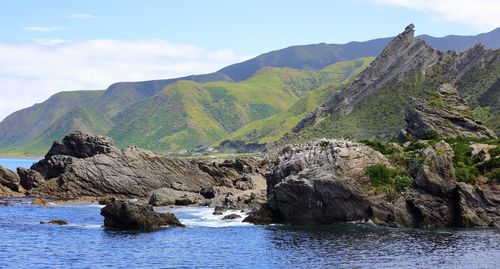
[209,242]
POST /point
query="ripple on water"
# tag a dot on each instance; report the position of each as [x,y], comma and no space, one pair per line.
[211,242]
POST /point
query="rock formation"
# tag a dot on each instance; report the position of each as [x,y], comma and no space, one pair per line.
[325,182]
[444,114]
[133,216]
[94,167]
[9,179]
[402,57]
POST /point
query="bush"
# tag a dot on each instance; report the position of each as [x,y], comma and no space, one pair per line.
[415,145]
[384,148]
[467,174]
[387,179]
[494,152]
[495,175]
[430,134]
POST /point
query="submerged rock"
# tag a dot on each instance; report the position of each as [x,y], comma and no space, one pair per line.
[39,202]
[231,216]
[55,222]
[133,216]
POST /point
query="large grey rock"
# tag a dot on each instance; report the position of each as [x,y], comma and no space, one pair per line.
[167,196]
[324,182]
[444,114]
[127,215]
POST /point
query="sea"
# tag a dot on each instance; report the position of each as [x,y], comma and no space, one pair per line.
[210,242]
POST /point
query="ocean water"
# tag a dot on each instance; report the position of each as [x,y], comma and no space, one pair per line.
[209,242]
[12,164]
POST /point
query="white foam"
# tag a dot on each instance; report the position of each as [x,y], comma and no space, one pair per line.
[203,217]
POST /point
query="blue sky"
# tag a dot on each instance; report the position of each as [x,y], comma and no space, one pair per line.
[248,27]
[55,45]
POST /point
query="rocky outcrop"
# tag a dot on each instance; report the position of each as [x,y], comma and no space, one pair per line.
[324,182]
[133,216]
[9,179]
[107,171]
[101,170]
[444,114]
[403,56]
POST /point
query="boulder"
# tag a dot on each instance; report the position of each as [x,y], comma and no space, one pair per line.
[128,215]
[231,217]
[167,196]
[9,179]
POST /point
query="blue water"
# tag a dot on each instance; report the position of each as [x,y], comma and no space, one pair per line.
[209,242]
[13,164]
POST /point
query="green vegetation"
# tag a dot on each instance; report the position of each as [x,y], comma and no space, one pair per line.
[467,168]
[273,128]
[382,147]
[182,115]
[388,180]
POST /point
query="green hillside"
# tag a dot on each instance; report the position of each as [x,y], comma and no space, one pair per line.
[271,129]
[182,115]
[186,114]
[381,115]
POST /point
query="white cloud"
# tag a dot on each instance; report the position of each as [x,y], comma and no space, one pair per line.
[32,72]
[43,29]
[80,16]
[484,15]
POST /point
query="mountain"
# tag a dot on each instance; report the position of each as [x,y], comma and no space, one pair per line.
[182,115]
[222,107]
[373,105]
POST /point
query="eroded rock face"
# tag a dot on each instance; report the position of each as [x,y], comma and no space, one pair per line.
[9,179]
[445,114]
[101,170]
[132,216]
[323,182]
[130,172]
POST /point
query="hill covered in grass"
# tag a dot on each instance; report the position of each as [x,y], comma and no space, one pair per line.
[182,115]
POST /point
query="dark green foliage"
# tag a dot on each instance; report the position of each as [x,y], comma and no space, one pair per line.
[495,152]
[415,145]
[489,165]
[387,179]
[430,134]
[382,147]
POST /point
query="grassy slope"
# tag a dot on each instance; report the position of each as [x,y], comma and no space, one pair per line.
[271,129]
[381,115]
[186,114]
[26,125]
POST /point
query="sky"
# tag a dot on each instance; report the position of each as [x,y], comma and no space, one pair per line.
[60,45]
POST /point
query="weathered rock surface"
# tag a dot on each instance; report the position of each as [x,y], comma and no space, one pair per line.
[127,215]
[29,178]
[9,179]
[101,170]
[444,114]
[55,222]
[324,182]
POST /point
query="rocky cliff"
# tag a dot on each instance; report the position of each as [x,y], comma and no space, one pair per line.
[409,62]
[330,181]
